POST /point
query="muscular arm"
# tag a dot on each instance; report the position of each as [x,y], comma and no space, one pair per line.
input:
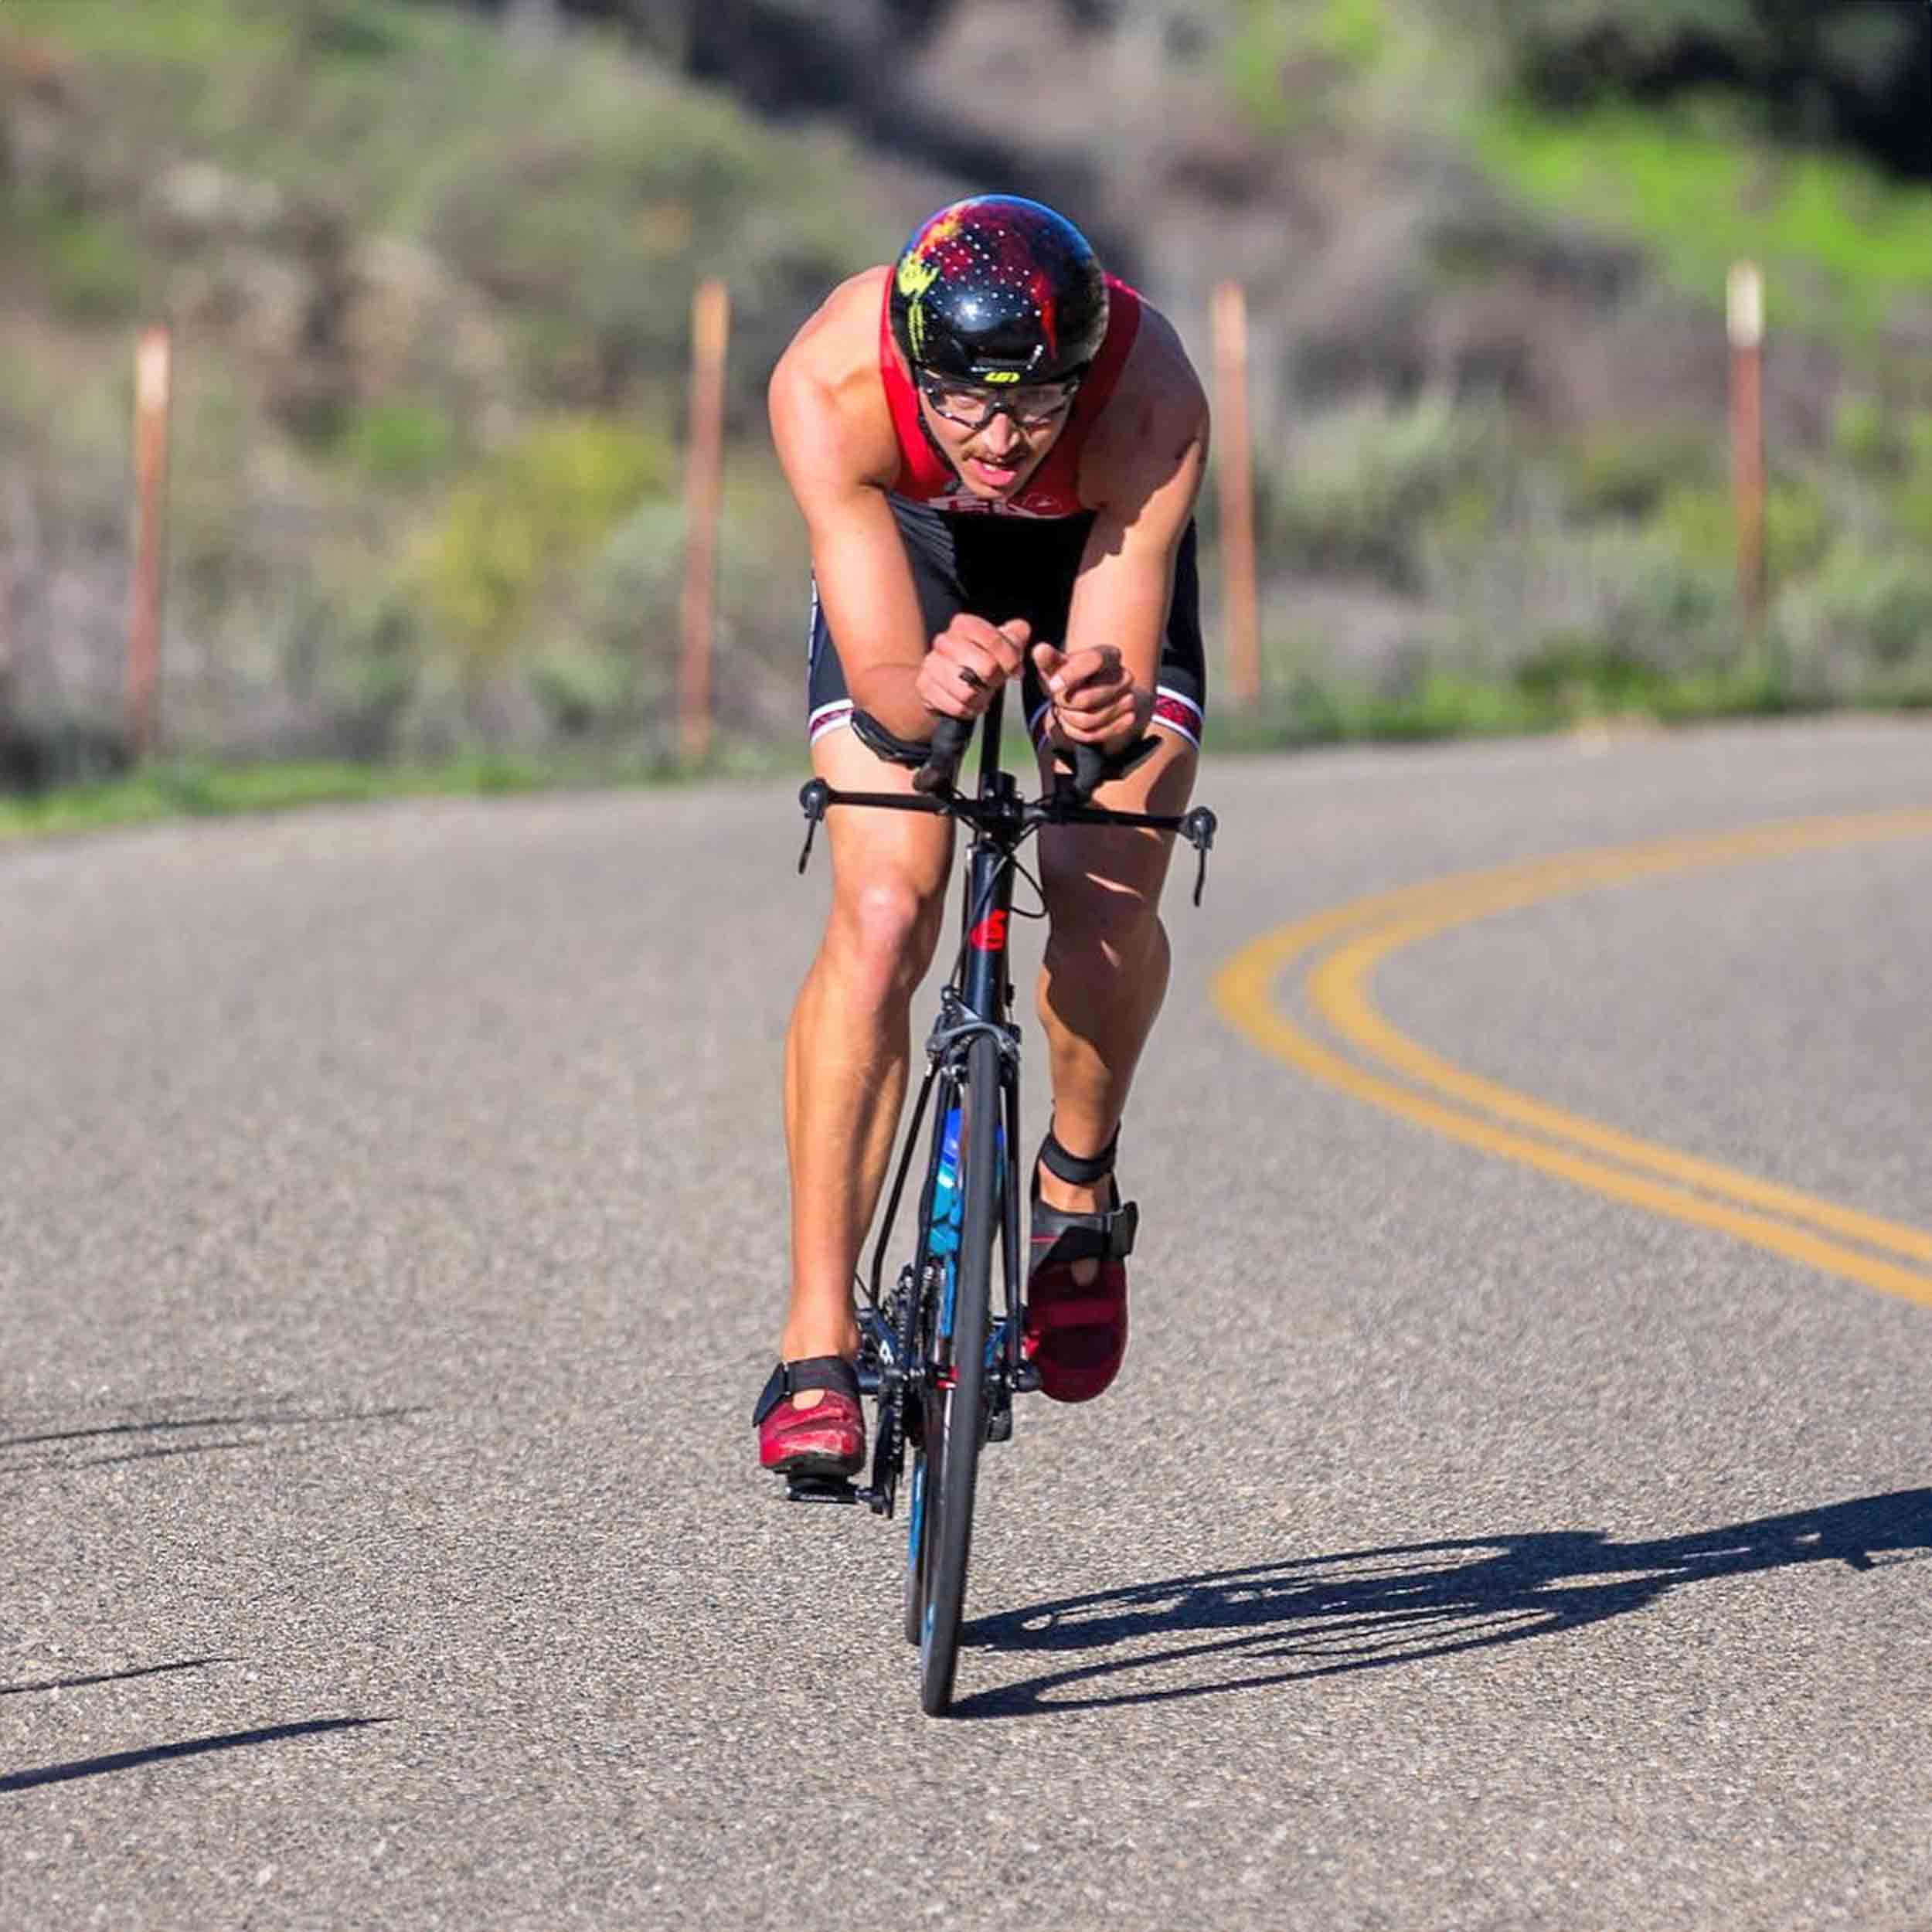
[1143,478]
[839,464]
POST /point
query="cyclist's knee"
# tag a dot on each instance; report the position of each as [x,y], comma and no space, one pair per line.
[884,929]
[1101,931]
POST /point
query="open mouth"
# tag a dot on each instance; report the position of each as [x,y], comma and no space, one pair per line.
[997,476]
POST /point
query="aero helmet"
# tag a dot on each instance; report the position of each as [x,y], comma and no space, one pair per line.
[999,289]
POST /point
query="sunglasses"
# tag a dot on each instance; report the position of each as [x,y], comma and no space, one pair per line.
[972,406]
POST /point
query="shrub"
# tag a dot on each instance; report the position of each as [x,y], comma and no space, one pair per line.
[93,266]
[1362,481]
[584,693]
[1703,523]
[1865,434]
[396,443]
[511,534]
[1629,473]
[1861,627]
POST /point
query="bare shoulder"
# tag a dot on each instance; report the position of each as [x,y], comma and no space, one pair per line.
[1155,428]
[829,416]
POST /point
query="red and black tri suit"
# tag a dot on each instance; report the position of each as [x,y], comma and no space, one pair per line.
[1016,559]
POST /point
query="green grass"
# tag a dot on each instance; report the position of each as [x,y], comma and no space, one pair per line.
[1583,691]
[1559,691]
[194,788]
[1842,250]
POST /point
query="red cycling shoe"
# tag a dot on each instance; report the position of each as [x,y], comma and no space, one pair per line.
[1075,1332]
[826,1440]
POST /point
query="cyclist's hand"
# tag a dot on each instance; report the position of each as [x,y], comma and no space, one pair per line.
[1094,698]
[969,661]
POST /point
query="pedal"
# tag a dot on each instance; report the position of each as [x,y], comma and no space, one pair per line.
[821,1489]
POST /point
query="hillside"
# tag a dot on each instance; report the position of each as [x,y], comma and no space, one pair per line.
[430,268]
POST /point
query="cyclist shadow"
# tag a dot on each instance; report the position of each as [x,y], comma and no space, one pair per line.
[1361,1609]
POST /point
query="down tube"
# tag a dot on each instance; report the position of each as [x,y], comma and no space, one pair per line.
[989,902]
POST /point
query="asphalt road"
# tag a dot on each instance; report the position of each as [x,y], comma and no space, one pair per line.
[391,1244]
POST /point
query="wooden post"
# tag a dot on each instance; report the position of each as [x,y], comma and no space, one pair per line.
[151,375]
[704,465]
[1235,472]
[1745,317]
[8,574]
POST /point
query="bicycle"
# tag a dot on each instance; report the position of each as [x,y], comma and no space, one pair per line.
[942,1371]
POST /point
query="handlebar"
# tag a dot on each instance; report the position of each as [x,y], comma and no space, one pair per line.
[1003,813]
[951,737]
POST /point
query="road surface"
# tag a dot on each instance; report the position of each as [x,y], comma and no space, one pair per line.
[1514,1511]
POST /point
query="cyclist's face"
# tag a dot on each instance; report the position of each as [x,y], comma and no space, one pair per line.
[996,436]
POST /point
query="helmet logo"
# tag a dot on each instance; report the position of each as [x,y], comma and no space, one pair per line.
[1001,376]
[915,277]
[919,268]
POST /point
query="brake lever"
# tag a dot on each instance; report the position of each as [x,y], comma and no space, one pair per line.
[813,797]
[1198,828]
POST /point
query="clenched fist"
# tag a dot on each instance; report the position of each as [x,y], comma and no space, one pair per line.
[969,661]
[1094,698]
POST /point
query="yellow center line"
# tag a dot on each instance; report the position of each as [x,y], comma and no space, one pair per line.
[1244,987]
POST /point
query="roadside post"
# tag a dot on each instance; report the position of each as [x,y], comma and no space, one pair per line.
[1234,471]
[1744,307]
[152,373]
[704,465]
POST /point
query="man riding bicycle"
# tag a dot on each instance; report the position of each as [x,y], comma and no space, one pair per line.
[996,448]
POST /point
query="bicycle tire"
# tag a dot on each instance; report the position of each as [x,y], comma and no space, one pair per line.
[953,1461]
[916,1550]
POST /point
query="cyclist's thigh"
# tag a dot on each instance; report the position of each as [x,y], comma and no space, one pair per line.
[1107,873]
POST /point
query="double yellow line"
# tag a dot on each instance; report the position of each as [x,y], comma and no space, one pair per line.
[1348,942]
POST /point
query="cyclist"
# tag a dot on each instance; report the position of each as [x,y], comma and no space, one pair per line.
[996,447]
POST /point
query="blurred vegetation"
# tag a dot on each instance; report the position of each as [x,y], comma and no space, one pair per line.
[1854,71]
[431,269]
[1842,247]
[431,290]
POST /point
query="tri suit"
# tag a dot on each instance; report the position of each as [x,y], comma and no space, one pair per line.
[1017,558]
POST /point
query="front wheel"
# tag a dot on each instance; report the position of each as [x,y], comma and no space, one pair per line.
[956,1418]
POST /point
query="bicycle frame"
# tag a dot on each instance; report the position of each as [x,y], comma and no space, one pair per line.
[932,1353]
[977,999]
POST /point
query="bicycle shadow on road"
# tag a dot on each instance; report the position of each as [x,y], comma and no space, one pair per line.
[69,1448]
[1361,1609]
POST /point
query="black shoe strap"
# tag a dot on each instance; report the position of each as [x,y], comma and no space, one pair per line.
[1078,1170]
[830,1371]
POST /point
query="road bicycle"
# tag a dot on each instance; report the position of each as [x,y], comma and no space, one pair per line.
[942,1369]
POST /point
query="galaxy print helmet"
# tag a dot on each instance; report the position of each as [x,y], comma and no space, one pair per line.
[996,289]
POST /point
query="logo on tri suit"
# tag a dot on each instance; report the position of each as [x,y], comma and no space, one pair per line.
[1037,506]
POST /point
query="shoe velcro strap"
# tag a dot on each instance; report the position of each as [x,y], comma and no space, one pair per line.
[1059,1237]
[1078,1170]
[828,1372]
